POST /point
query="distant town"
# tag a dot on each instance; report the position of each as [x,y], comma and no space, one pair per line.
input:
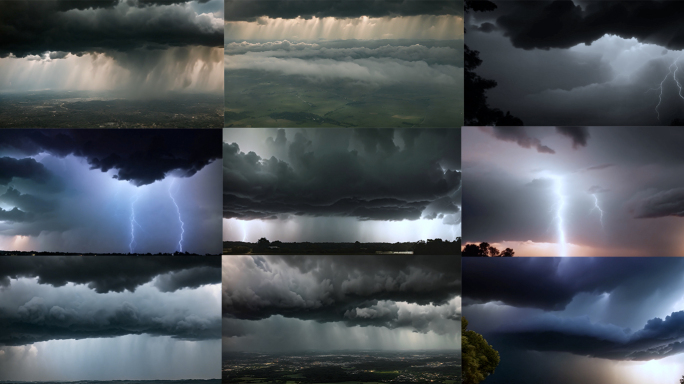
[337,367]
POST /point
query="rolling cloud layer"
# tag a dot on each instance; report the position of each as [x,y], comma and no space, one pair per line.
[58,305]
[340,295]
[374,178]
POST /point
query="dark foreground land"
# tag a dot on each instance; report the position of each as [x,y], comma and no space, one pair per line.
[209,381]
[343,367]
[265,247]
[34,253]
[259,99]
[81,109]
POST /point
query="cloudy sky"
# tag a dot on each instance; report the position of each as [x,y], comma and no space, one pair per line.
[140,47]
[575,191]
[579,320]
[295,303]
[109,318]
[365,45]
[115,191]
[583,62]
[341,185]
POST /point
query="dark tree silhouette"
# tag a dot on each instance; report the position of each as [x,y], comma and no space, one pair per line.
[263,242]
[477,112]
[479,359]
[485,250]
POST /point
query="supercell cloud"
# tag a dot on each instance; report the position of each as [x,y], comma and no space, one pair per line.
[582,63]
[98,306]
[375,175]
[94,191]
[603,317]
[356,296]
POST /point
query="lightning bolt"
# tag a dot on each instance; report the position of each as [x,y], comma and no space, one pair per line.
[596,206]
[133,223]
[563,251]
[180,242]
[674,77]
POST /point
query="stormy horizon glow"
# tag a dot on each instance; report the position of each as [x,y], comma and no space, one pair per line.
[341,185]
[105,197]
[600,320]
[611,63]
[574,191]
[342,63]
[73,318]
[130,48]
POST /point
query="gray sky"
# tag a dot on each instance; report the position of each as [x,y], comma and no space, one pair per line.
[110,191]
[572,320]
[134,47]
[342,185]
[612,191]
[144,318]
[295,303]
[602,65]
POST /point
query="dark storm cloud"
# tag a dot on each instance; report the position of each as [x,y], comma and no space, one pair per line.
[77,27]
[520,136]
[656,340]
[356,290]
[579,135]
[563,24]
[140,156]
[27,202]
[444,52]
[112,273]
[379,182]
[661,204]
[15,215]
[552,283]
[636,173]
[36,321]
[289,9]
[11,168]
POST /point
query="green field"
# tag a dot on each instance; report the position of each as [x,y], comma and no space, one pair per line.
[260,99]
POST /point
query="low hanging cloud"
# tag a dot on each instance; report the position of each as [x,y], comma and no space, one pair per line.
[661,204]
[27,168]
[397,291]
[251,10]
[552,283]
[378,181]
[656,340]
[113,273]
[70,297]
[527,23]
[447,52]
[151,156]
[78,27]
[375,71]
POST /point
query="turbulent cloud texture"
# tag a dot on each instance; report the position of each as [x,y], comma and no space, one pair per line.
[78,27]
[366,174]
[148,158]
[578,304]
[103,191]
[58,306]
[620,186]
[252,10]
[296,303]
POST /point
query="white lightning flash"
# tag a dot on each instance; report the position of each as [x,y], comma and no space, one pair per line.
[660,87]
[133,223]
[563,251]
[596,206]
[182,224]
